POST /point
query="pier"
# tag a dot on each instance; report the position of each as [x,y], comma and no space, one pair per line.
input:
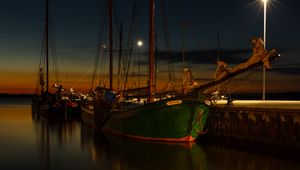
[265,124]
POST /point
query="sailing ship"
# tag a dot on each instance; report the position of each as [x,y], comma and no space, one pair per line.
[163,117]
[56,104]
[46,103]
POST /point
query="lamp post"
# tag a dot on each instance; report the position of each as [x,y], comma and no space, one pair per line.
[265,27]
[139,44]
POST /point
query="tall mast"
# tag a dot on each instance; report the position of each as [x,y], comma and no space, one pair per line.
[47,42]
[151,48]
[110,3]
[120,56]
[155,65]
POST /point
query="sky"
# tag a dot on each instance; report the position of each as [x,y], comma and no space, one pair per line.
[192,28]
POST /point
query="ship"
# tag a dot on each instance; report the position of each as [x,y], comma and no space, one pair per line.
[57,102]
[150,115]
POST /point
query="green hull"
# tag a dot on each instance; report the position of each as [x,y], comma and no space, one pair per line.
[166,120]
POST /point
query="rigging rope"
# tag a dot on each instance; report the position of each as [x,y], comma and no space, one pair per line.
[132,29]
[234,82]
[99,51]
[167,42]
[54,53]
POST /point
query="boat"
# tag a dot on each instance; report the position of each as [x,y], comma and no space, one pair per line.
[164,116]
[71,102]
[48,103]
[87,110]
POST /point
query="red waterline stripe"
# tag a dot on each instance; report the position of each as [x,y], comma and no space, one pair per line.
[184,139]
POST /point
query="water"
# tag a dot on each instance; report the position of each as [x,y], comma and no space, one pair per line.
[28,142]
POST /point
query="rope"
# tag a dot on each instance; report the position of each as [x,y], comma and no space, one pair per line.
[99,46]
[132,29]
[167,42]
[235,82]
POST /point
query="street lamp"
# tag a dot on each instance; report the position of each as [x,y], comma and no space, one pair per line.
[265,27]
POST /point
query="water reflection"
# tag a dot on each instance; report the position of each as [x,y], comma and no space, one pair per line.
[34,143]
[114,152]
[70,145]
[58,143]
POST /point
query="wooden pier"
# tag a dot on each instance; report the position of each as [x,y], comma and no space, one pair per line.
[267,124]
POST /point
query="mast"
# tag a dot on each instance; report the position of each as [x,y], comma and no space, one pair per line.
[120,56]
[218,55]
[155,65]
[151,49]
[110,3]
[47,42]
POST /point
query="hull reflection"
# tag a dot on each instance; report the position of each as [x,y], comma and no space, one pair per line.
[114,152]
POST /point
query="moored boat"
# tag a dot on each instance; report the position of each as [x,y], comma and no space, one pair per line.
[171,119]
[160,116]
[87,112]
[50,103]
[164,116]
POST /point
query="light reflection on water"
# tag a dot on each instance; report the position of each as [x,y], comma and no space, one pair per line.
[29,142]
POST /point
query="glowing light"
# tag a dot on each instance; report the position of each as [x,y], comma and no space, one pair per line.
[140,43]
[265,27]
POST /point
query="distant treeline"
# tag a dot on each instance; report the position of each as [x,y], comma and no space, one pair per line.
[5,95]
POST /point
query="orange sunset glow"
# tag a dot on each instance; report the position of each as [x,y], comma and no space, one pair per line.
[76,46]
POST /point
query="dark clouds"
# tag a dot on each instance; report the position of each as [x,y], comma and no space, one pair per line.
[206,56]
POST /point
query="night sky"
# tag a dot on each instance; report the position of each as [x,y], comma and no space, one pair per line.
[192,26]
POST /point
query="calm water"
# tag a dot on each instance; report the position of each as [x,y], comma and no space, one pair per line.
[27,142]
